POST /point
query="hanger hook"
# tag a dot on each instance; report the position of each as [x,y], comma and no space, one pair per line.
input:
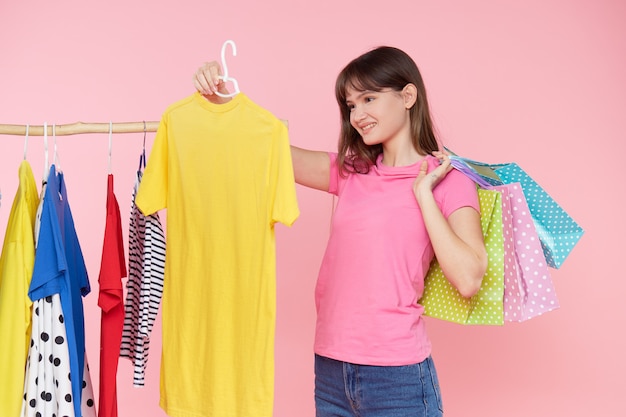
[46,166]
[57,161]
[26,140]
[110,143]
[226,77]
[142,157]
[234,47]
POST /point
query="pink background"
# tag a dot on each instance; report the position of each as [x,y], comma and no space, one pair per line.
[539,82]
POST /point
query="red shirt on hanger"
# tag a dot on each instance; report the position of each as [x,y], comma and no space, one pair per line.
[110,300]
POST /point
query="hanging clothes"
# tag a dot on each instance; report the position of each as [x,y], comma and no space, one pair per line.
[88,404]
[47,341]
[111,301]
[48,391]
[144,288]
[224,173]
[59,270]
[16,269]
[43,381]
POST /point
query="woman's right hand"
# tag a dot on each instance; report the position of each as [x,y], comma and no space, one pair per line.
[207,79]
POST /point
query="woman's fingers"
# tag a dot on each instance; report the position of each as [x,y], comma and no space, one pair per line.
[206,79]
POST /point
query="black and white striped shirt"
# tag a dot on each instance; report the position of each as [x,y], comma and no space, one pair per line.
[146,258]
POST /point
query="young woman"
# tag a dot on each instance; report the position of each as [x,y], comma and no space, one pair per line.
[399,204]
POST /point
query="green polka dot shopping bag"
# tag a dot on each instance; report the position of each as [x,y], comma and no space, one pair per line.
[441,300]
[557,231]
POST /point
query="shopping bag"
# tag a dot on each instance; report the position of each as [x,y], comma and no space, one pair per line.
[441,300]
[513,289]
[558,232]
[528,288]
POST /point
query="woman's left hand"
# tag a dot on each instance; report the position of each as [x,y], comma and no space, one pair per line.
[427,181]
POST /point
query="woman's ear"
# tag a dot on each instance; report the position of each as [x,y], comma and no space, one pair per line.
[409,93]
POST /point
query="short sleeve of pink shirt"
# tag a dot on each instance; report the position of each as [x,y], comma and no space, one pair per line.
[455,191]
[372,273]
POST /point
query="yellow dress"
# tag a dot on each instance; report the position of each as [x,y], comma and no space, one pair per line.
[225,175]
[16,271]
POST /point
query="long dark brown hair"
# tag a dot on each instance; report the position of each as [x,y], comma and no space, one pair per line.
[381,68]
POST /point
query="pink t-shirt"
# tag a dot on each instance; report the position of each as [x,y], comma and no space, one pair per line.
[372,273]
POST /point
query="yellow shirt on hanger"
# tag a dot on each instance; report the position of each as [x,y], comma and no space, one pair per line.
[16,270]
[224,173]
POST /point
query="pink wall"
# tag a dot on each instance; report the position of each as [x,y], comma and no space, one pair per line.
[541,83]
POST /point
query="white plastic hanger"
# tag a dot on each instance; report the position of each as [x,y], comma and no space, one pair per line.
[225,77]
[57,161]
[46,166]
[26,141]
[110,144]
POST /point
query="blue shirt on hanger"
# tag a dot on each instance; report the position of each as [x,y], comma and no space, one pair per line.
[60,268]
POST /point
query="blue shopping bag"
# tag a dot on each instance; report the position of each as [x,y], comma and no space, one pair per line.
[557,230]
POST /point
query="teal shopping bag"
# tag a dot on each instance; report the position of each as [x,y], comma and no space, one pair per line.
[557,230]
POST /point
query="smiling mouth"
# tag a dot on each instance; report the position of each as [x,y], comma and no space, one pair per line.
[368,127]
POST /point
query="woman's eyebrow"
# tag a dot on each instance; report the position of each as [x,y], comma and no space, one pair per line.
[359,95]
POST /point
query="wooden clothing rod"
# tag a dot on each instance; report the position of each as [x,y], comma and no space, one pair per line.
[81,127]
[78,128]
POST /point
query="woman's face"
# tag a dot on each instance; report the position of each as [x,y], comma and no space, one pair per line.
[378,116]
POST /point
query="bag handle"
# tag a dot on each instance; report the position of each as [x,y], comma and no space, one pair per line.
[469,172]
[481,173]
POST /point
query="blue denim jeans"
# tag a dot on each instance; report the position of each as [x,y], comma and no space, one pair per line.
[347,390]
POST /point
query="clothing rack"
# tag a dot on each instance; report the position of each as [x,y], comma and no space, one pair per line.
[82,127]
[79,128]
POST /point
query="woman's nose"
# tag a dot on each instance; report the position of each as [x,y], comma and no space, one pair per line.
[358,113]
